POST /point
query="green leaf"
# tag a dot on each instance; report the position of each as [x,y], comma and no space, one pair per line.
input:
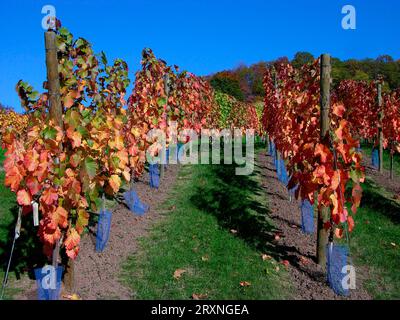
[90,143]
[355,175]
[63,31]
[90,167]
[49,133]
[83,131]
[73,118]
[115,162]
[80,43]
[103,58]
[162,102]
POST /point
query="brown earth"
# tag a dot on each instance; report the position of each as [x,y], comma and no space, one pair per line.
[97,274]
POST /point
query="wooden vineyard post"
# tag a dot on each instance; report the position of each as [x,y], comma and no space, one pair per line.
[323,213]
[391,160]
[56,114]
[380,127]
[54,97]
[277,156]
[166,90]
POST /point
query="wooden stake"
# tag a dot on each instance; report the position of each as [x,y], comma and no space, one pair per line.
[380,127]
[391,160]
[56,115]
[53,78]
[323,213]
[166,90]
[53,83]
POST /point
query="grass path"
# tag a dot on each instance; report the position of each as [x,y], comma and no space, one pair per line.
[375,242]
[367,149]
[207,237]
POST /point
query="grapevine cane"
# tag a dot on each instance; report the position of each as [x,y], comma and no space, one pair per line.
[16,236]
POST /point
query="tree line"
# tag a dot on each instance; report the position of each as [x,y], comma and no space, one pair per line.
[245,83]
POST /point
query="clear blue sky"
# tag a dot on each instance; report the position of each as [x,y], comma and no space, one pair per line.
[202,36]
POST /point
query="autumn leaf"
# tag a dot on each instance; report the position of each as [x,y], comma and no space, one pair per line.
[72,297]
[178,273]
[286,263]
[82,221]
[356,195]
[339,109]
[60,217]
[322,151]
[265,257]
[75,137]
[304,260]
[69,99]
[350,222]
[245,284]
[31,160]
[199,296]
[115,183]
[24,198]
[13,179]
[49,196]
[72,243]
[75,159]
[33,185]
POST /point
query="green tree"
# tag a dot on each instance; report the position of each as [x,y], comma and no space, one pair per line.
[302,58]
[227,83]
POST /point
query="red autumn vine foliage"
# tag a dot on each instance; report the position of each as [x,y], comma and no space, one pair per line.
[391,121]
[162,94]
[236,114]
[67,169]
[359,99]
[146,108]
[197,101]
[323,168]
[243,116]
[362,111]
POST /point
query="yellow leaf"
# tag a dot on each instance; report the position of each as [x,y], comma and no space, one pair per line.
[115,182]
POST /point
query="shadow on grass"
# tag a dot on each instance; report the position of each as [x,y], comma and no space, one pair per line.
[380,203]
[236,201]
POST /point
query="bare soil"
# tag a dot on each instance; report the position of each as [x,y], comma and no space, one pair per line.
[98,276]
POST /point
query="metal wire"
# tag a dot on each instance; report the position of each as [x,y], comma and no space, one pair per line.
[16,236]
